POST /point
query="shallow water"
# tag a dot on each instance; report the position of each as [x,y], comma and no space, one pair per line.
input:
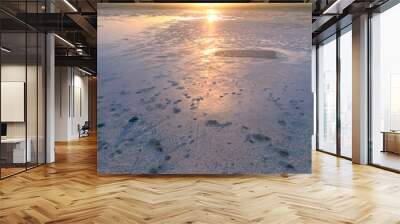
[204,90]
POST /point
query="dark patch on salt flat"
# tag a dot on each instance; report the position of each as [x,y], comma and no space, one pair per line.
[177,101]
[187,96]
[145,90]
[156,144]
[173,83]
[282,122]
[176,110]
[286,165]
[160,76]
[215,123]
[161,106]
[257,138]
[283,153]
[123,92]
[133,119]
[154,170]
[267,54]
[245,127]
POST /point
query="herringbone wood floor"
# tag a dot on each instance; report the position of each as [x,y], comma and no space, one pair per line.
[70,191]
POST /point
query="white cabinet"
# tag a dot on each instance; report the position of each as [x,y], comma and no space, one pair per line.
[20,155]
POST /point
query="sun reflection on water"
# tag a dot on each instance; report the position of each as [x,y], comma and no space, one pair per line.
[213,15]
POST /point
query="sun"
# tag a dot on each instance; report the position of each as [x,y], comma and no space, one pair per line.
[212,15]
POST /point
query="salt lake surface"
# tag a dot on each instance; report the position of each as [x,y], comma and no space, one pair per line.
[204,89]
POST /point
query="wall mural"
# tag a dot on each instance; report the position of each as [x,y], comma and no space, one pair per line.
[204,88]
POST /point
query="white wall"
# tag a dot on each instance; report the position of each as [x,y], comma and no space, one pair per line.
[70,83]
[79,103]
[17,73]
[62,82]
[13,72]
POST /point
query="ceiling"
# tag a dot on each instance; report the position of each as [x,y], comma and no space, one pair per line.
[74,22]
